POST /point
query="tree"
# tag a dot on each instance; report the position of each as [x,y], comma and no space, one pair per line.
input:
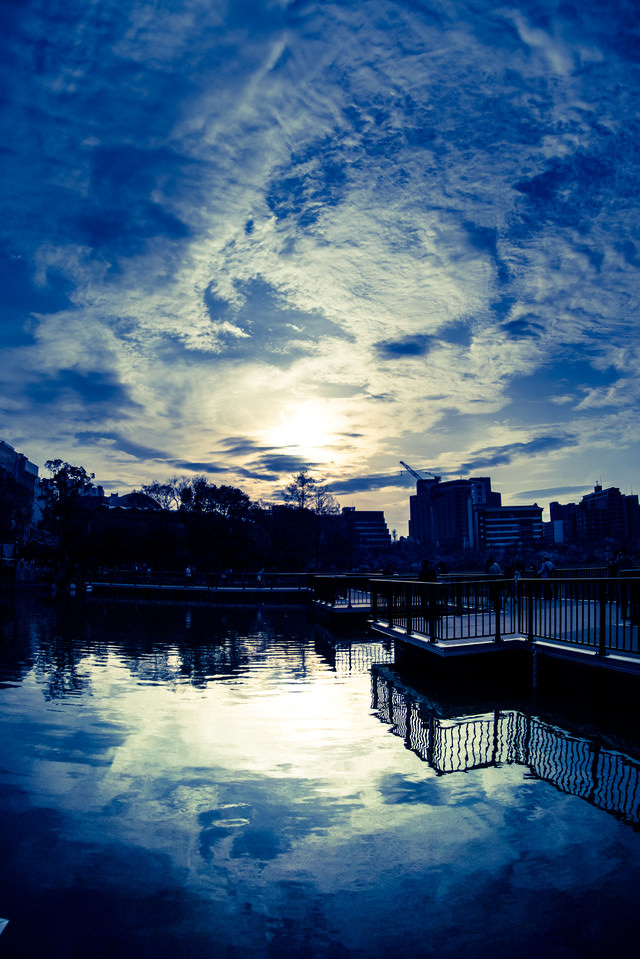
[291,534]
[200,496]
[300,490]
[314,501]
[324,502]
[165,494]
[219,522]
[305,492]
[62,513]
[67,482]
[231,502]
[63,490]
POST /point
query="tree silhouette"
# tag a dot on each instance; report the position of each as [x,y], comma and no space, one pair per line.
[165,494]
[300,490]
[305,492]
[63,515]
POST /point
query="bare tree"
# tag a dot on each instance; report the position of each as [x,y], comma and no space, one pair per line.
[324,502]
[300,490]
[165,494]
[305,492]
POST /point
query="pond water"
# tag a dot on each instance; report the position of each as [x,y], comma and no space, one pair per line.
[192,782]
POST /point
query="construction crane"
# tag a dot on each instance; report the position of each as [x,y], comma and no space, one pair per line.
[415,473]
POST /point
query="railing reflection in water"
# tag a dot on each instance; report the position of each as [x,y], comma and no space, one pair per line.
[605,777]
[349,657]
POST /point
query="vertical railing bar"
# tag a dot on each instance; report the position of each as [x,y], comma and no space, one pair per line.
[602,624]
[586,609]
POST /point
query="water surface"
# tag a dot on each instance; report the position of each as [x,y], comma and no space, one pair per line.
[206,782]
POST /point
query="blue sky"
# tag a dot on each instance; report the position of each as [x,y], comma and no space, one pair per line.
[244,238]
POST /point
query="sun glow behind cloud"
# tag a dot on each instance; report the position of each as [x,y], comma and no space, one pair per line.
[310,429]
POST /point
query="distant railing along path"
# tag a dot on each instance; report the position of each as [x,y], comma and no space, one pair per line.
[172,579]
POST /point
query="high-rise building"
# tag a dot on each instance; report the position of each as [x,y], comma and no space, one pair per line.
[442,514]
[18,467]
[368,527]
[632,517]
[601,514]
[564,521]
[508,527]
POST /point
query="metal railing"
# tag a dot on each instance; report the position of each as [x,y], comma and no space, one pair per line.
[175,579]
[597,613]
[583,572]
[469,609]
[601,614]
[348,590]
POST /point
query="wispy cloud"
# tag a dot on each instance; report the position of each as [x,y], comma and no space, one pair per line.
[362,484]
[553,491]
[497,456]
[124,445]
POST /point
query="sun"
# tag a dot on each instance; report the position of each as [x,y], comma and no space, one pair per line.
[307,428]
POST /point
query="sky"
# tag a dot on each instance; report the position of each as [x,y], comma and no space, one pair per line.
[241,239]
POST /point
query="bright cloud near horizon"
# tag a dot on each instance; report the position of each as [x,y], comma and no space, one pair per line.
[245,238]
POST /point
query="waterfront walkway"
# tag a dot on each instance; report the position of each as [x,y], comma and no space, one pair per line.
[230,588]
[584,618]
[579,617]
[576,618]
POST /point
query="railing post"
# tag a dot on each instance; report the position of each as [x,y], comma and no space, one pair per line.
[433,601]
[495,603]
[529,611]
[602,599]
[408,592]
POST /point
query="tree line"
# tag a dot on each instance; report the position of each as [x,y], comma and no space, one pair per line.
[196,522]
[198,495]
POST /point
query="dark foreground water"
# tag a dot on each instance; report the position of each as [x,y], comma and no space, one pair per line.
[233,783]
